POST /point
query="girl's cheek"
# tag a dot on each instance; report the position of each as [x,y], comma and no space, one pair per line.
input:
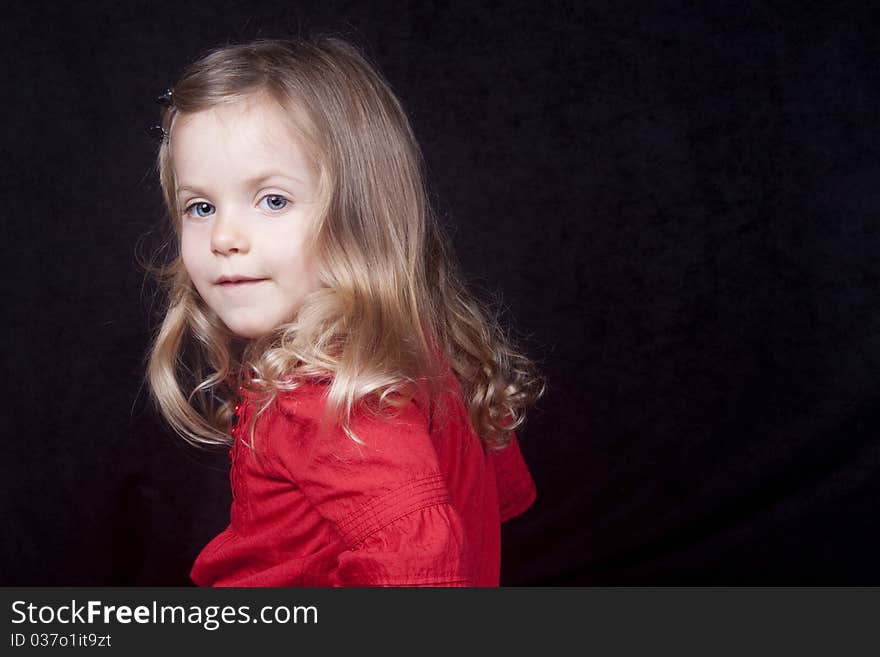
[189,257]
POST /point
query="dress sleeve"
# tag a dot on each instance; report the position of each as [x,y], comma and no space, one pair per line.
[516,488]
[386,497]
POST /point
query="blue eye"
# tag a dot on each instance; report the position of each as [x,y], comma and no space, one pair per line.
[275,202]
[201,205]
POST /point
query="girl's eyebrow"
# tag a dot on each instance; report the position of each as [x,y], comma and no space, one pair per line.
[255,181]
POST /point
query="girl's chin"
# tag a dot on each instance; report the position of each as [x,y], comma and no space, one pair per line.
[247,332]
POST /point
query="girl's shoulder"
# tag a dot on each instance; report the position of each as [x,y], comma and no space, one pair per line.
[307,400]
[308,403]
[393,440]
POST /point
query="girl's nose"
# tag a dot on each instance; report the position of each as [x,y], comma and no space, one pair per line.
[228,236]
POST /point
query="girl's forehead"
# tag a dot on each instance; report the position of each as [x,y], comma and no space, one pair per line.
[248,117]
[252,129]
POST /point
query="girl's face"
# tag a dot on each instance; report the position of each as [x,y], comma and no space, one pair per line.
[248,194]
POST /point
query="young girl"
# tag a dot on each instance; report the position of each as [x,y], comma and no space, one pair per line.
[316,323]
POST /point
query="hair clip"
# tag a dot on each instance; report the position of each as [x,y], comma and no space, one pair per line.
[159,132]
[166,99]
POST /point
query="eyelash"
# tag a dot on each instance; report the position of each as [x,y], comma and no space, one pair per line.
[189,208]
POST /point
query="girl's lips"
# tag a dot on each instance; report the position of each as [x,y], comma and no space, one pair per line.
[241,282]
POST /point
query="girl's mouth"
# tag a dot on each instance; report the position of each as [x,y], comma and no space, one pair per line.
[239,282]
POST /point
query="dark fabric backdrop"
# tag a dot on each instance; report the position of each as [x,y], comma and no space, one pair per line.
[674,207]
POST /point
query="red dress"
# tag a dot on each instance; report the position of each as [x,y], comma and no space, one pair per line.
[417,504]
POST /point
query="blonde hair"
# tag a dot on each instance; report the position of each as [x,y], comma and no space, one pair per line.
[393,313]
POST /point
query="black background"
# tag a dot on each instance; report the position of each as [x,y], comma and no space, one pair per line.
[673,205]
